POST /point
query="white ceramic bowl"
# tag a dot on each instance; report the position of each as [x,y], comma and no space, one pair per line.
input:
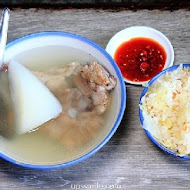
[141,113]
[141,31]
[61,39]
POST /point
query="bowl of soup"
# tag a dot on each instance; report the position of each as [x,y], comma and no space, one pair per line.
[87,88]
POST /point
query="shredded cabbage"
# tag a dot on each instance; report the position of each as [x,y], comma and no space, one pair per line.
[166,110]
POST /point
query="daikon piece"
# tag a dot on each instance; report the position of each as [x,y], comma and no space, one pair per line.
[33,103]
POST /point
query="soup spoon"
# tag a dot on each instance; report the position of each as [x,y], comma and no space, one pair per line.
[5,98]
[3,33]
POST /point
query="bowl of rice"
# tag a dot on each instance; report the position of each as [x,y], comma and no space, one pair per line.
[164,110]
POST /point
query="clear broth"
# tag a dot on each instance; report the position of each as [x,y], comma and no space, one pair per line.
[36,147]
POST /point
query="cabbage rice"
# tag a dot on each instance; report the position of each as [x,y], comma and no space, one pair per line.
[166,110]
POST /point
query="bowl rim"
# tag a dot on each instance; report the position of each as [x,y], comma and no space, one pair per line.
[151,137]
[121,109]
[162,35]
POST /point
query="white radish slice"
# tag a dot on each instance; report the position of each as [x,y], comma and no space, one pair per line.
[33,103]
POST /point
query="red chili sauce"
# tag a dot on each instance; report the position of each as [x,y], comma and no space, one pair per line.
[139,59]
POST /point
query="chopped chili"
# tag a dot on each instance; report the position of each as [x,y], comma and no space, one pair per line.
[140,59]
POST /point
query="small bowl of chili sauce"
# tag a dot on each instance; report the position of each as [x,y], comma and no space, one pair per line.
[141,53]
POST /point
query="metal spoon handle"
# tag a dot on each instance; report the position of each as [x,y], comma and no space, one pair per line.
[3,33]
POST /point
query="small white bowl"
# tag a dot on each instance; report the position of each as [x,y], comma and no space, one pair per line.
[141,31]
